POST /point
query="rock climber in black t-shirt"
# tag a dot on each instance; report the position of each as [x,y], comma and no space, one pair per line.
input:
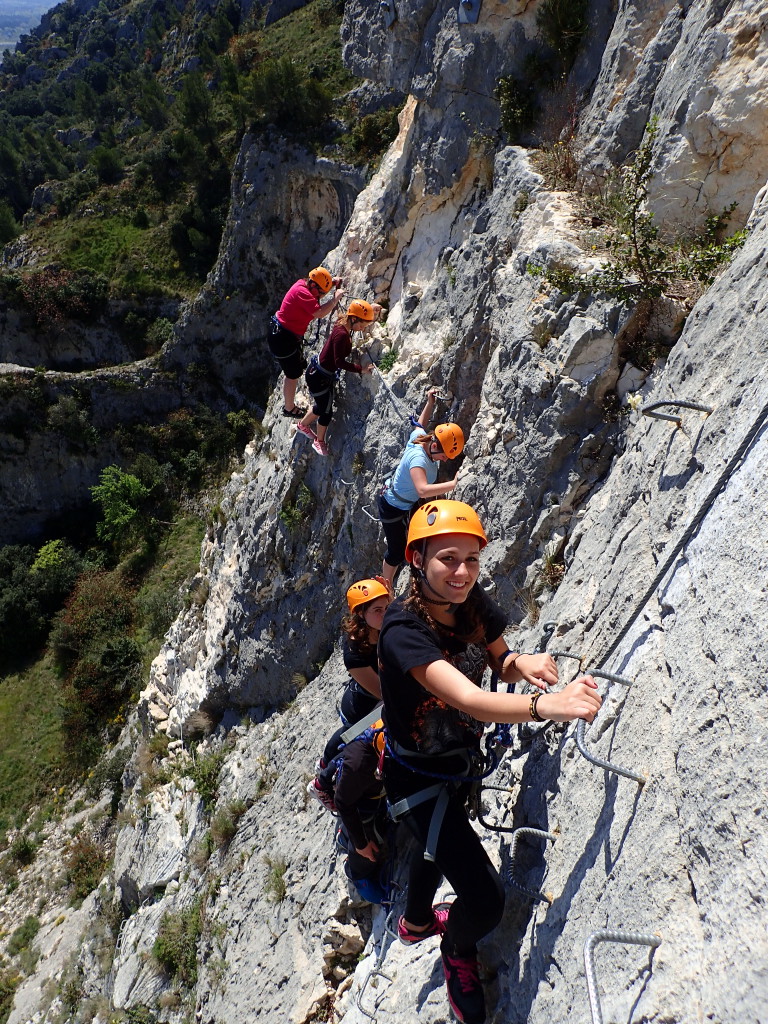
[434,647]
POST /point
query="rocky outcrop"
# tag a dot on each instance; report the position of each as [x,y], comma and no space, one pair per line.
[288,209]
[699,69]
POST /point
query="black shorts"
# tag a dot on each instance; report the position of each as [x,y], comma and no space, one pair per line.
[394,523]
[320,386]
[286,346]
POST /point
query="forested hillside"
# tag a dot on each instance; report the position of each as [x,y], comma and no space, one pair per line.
[119,124]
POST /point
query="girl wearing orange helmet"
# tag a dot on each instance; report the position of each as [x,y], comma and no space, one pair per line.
[415,479]
[322,370]
[367,601]
[300,306]
[434,647]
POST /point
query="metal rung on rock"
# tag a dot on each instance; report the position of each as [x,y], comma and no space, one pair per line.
[581,730]
[376,972]
[389,929]
[539,834]
[607,935]
[650,410]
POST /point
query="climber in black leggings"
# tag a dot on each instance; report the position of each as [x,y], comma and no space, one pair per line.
[434,647]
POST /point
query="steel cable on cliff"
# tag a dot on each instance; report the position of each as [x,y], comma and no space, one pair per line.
[690,531]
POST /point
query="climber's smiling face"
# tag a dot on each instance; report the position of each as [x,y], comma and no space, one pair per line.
[451,564]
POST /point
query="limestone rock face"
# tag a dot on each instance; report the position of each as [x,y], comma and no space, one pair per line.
[699,69]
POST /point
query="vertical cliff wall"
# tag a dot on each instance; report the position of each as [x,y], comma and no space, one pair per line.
[445,233]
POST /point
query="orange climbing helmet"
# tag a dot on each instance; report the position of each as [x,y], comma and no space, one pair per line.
[362,310]
[451,439]
[379,739]
[443,516]
[363,591]
[322,278]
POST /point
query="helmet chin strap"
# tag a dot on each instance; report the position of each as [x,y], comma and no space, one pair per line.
[449,606]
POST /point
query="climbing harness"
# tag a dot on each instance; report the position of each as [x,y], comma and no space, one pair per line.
[314,365]
[442,790]
[365,722]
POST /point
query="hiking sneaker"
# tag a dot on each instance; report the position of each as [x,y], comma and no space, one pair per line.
[440,917]
[462,980]
[320,446]
[306,431]
[298,412]
[314,789]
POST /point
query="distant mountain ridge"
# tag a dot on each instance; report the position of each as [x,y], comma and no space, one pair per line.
[16,18]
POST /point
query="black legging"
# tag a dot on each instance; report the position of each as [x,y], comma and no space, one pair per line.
[460,857]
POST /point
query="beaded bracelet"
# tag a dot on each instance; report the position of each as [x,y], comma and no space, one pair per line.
[532,708]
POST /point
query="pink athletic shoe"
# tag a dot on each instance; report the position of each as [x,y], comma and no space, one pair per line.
[436,928]
[306,431]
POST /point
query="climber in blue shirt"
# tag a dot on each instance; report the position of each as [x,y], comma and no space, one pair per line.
[415,480]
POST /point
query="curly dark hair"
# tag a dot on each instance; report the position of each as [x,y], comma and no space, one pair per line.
[356,628]
[469,626]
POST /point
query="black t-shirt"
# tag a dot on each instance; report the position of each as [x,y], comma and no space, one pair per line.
[357,657]
[357,701]
[415,718]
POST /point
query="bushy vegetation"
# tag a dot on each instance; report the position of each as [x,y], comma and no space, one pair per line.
[534,103]
[298,512]
[643,264]
[225,822]
[275,885]
[97,657]
[371,134]
[518,106]
[8,985]
[53,295]
[86,861]
[204,770]
[135,154]
[23,936]
[33,586]
[562,25]
[175,948]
